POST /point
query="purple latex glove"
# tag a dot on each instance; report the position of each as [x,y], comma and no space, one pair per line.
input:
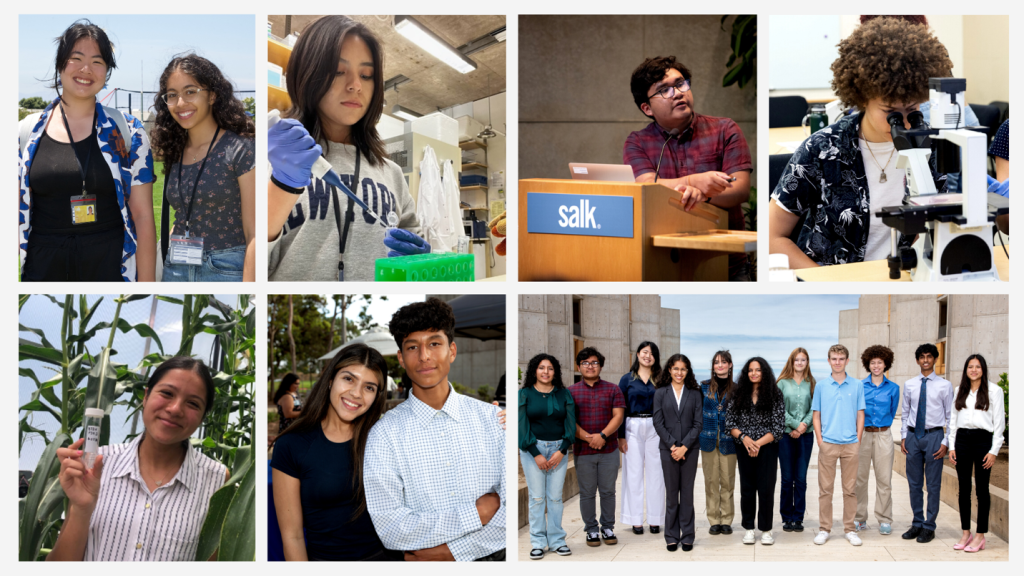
[404,243]
[292,152]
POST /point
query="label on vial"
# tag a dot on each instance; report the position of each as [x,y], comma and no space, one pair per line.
[92,445]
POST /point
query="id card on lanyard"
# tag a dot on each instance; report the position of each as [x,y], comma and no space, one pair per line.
[187,250]
[350,216]
[83,207]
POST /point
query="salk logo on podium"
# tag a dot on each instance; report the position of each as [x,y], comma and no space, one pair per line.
[580,215]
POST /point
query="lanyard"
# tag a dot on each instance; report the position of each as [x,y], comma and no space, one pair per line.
[188,207]
[83,167]
[350,215]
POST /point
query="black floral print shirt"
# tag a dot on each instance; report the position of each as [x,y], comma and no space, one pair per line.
[755,423]
[824,183]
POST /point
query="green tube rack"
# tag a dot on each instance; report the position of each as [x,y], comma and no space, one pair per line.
[425,268]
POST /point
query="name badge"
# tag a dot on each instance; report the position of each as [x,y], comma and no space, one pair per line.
[185,251]
[83,209]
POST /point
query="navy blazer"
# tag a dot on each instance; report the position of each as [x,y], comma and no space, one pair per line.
[678,426]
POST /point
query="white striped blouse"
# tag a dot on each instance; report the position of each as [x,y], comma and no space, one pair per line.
[130,523]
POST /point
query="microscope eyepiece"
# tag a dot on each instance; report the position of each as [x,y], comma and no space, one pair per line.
[916,119]
[895,119]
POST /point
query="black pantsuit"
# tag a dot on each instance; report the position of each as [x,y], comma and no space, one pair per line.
[757,485]
[971,447]
[678,426]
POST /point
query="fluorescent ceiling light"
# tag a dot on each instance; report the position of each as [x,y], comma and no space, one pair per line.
[421,36]
[404,113]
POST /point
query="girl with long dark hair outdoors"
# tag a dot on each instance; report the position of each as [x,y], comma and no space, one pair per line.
[976,426]
[718,450]
[547,429]
[207,144]
[157,479]
[286,399]
[756,418]
[797,385]
[85,176]
[336,86]
[643,485]
[677,419]
[318,462]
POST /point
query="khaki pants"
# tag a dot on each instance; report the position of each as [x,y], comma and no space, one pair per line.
[719,485]
[846,455]
[877,448]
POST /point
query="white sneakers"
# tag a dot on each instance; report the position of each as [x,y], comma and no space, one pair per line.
[822,537]
[853,538]
[767,539]
[748,537]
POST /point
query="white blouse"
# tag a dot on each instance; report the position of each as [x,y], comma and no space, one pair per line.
[130,523]
[993,420]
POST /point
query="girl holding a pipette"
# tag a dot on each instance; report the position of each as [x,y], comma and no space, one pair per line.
[316,231]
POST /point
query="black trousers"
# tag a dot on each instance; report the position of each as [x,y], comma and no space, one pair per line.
[757,485]
[971,447]
[679,479]
[92,257]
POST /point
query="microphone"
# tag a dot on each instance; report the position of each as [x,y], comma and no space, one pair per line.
[671,134]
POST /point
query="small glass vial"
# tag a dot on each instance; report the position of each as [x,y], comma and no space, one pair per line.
[93,421]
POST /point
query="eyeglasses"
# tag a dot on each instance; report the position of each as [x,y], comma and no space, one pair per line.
[189,96]
[588,364]
[670,91]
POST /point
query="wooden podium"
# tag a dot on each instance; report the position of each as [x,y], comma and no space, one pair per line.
[668,243]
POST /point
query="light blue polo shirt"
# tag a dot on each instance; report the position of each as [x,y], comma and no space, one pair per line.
[838,403]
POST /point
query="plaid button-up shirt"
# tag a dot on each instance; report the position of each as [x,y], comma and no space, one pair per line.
[594,406]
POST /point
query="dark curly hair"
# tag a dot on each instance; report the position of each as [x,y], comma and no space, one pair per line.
[926,348]
[911,19]
[883,353]
[650,72]
[530,379]
[665,378]
[890,59]
[768,390]
[168,138]
[432,315]
[587,353]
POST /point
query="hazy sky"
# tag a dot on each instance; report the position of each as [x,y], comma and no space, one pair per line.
[769,326]
[39,312]
[143,45]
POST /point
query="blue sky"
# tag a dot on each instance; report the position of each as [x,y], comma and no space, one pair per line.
[39,312]
[143,45]
[758,325]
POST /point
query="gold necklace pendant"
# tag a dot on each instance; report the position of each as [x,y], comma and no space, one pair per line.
[883,178]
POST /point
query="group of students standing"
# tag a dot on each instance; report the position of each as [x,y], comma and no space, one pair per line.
[658,415]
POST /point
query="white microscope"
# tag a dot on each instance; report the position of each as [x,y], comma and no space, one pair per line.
[957,229]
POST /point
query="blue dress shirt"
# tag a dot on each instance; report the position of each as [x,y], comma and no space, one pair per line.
[639,398]
[424,470]
[882,401]
[937,408]
[838,403]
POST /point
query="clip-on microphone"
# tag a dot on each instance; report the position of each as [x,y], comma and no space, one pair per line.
[671,134]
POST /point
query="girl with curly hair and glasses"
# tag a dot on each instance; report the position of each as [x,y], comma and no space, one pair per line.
[208,149]
[822,209]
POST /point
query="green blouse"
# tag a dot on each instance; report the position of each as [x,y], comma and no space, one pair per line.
[546,417]
[798,404]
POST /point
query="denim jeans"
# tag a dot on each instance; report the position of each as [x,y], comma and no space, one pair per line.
[218,266]
[545,489]
[794,458]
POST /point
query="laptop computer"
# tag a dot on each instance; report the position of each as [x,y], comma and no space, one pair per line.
[602,172]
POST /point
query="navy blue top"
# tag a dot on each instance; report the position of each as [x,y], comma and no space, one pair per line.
[714,421]
[324,470]
[639,397]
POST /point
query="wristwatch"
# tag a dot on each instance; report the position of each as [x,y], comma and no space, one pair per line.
[603,436]
[742,436]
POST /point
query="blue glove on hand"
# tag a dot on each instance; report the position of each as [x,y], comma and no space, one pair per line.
[292,152]
[1001,188]
[404,243]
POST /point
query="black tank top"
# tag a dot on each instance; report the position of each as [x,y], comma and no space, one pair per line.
[55,178]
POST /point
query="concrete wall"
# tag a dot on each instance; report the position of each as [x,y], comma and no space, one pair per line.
[978,325]
[577,106]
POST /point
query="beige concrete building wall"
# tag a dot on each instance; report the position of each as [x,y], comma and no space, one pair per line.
[559,311]
[847,337]
[873,328]
[577,106]
[978,324]
[986,54]
[669,341]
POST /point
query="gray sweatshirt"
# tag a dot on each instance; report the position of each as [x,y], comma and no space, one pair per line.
[307,249]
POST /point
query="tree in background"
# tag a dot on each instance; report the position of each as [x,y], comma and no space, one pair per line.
[33,103]
[250,105]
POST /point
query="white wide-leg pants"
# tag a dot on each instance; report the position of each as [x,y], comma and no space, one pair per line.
[641,475]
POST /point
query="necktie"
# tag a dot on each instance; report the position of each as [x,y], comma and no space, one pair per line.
[922,403]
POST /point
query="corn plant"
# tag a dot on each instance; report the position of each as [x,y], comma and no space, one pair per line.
[226,435]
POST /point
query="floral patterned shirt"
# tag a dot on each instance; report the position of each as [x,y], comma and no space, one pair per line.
[130,166]
[217,206]
[825,185]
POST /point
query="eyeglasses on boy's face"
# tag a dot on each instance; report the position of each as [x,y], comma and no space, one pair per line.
[669,92]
